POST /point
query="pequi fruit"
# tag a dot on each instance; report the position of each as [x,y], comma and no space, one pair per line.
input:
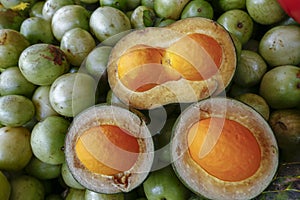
[223,149]
[5,187]
[286,125]
[109,149]
[188,60]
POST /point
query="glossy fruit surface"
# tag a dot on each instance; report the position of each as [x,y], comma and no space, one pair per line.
[292,8]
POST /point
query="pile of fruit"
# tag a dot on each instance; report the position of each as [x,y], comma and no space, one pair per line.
[149,99]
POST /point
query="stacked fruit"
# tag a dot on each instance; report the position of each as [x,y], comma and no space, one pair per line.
[118,99]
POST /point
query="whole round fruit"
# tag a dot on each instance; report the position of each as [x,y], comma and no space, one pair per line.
[280,45]
[5,187]
[237,22]
[42,63]
[27,187]
[77,43]
[15,149]
[106,22]
[280,87]
[265,12]
[51,6]
[47,139]
[68,177]
[197,8]
[71,93]
[170,9]
[15,110]
[69,17]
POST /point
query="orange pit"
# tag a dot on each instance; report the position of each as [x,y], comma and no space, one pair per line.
[107,149]
[195,57]
[236,155]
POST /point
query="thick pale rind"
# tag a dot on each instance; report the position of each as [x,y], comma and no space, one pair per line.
[196,178]
[110,115]
[181,90]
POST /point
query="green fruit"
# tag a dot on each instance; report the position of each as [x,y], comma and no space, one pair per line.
[12,81]
[5,187]
[281,46]
[26,187]
[198,8]
[265,12]
[42,63]
[251,64]
[69,179]
[119,4]
[40,99]
[164,22]
[256,102]
[106,22]
[15,149]
[47,139]
[42,170]
[12,43]
[96,61]
[71,93]
[77,43]
[148,3]
[170,9]
[15,110]
[237,22]
[285,124]
[51,6]
[225,5]
[69,17]
[75,194]
[37,9]
[280,87]
[142,17]
[132,4]
[164,184]
[37,30]
[10,19]
[90,195]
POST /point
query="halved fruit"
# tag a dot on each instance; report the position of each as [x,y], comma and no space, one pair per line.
[109,149]
[223,149]
[186,61]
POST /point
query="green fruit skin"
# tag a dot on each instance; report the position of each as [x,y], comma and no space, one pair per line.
[119,4]
[10,19]
[5,188]
[90,195]
[26,187]
[142,17]
[164,184]
[42,63]
[37,9]
[42,170]
[133,4]
[197,8]
[280,87]
[265,12]
[47,139]
[286,125]
[237,22]
[68,178]
[106,22]
[252,64]
[71,93]
[51,6]
[281,46]
[40,99]
[12,43]
[75,194]
[225,5]
[15,110]
[77,43]
[69,17]
[37,30]
[170,9]
[15,149]
[12,81]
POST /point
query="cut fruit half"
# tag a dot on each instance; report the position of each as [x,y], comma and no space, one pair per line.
[224,149]
[109,149]
[187,61]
